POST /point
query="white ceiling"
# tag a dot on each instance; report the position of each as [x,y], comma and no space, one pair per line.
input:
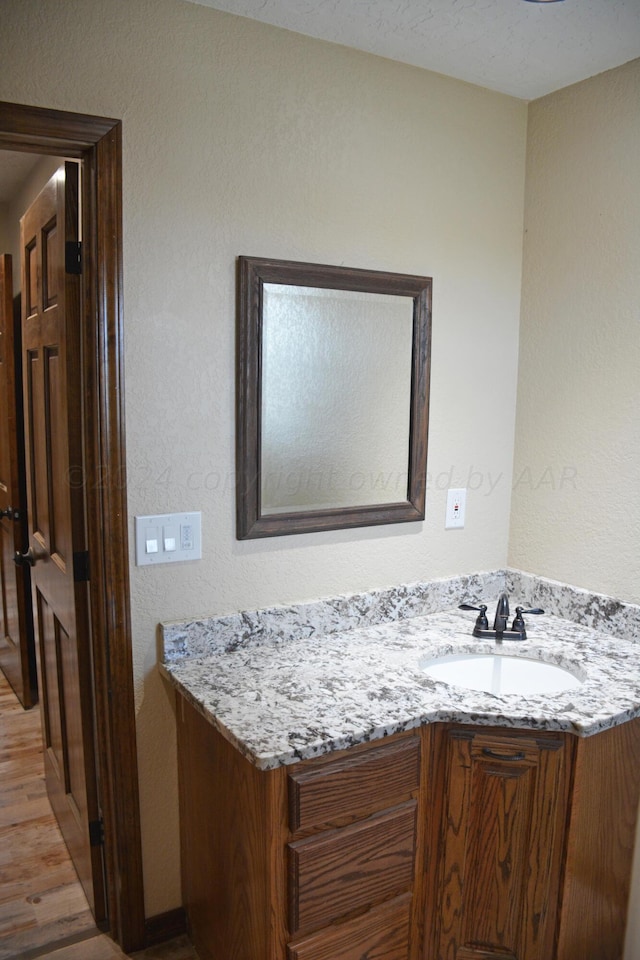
[521,48]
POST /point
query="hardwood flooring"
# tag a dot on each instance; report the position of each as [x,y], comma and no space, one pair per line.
[43,910]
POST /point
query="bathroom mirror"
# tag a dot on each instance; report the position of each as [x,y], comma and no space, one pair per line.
[332,398]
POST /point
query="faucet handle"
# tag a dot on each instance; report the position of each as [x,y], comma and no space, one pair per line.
[518,623]
[481,619]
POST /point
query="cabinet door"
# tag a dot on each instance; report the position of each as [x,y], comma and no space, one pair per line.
[500,846]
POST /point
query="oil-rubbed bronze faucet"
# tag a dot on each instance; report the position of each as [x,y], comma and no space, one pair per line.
[500,632]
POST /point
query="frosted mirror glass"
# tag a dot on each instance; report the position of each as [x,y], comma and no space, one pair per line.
[333,375]
[336,389]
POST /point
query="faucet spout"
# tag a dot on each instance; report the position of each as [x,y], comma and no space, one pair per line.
[502,616]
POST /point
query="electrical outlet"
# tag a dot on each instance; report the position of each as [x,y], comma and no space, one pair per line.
[456,503]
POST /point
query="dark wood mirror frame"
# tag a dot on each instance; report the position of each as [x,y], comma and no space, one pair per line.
[252,274]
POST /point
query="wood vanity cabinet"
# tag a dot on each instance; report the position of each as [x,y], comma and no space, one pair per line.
[450,842]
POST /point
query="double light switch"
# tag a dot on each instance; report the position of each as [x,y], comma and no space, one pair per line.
[168,538]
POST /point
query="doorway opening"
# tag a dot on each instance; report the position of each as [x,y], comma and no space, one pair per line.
[97,142]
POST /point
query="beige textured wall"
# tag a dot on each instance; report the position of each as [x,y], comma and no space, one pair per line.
[243,139]
[576,503]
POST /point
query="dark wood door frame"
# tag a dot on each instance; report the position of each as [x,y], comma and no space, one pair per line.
[97,141]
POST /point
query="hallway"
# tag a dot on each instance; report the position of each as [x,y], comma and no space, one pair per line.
[43,910]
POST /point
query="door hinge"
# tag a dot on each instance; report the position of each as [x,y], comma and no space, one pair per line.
[81,566]
[73,257]
[96,832]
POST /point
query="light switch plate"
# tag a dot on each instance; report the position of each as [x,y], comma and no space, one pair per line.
[175,536]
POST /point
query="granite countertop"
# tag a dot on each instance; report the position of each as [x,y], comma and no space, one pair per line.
[280,699]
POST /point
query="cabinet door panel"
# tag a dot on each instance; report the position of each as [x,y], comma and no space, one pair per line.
[502,832]
[338,871]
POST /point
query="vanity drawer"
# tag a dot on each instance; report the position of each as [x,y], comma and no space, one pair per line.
[368,780]
[338,871]
[382,933]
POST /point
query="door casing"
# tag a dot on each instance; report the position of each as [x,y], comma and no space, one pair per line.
[97,141]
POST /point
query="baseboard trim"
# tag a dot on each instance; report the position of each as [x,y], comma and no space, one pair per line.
[165,926]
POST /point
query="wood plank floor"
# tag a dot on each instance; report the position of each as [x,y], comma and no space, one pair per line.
[43,910]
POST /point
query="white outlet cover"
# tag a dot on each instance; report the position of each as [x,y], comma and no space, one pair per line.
[456,504]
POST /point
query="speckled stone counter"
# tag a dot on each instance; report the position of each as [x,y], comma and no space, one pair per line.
[290,683]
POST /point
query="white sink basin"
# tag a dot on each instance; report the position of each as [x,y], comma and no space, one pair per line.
[495,673]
